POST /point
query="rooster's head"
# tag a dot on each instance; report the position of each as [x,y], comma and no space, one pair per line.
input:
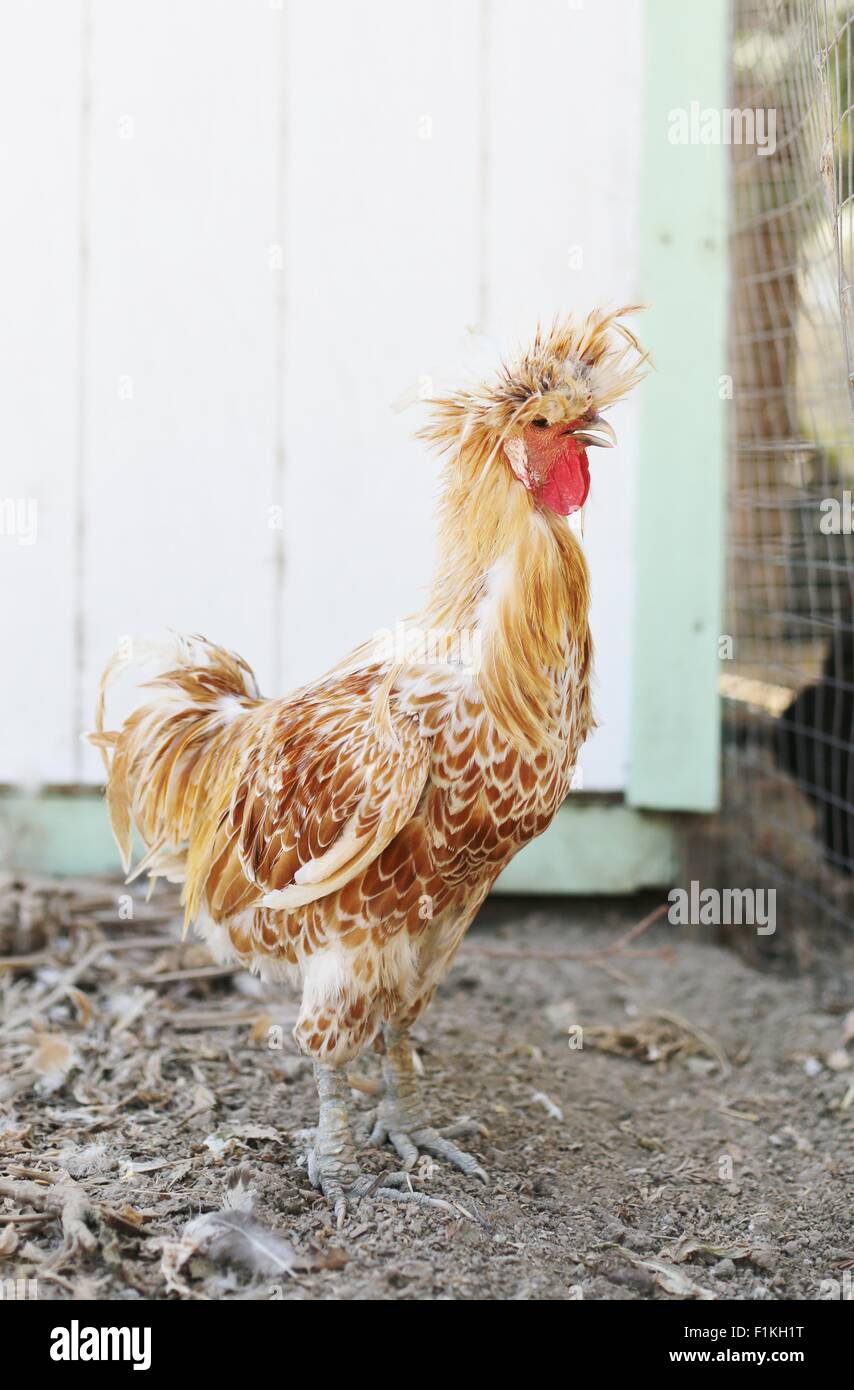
[542,411]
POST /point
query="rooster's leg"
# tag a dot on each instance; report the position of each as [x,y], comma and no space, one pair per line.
[332,1162]
[401,1120]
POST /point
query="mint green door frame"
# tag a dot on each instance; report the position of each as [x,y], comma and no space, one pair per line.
[679,516]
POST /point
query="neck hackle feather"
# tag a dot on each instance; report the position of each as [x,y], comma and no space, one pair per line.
[498,551]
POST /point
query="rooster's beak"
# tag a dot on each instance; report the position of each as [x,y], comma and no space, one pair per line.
[601,427]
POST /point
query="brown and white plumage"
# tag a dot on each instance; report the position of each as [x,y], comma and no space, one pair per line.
[346,834]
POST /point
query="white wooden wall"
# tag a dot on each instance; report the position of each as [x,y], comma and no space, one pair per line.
[235,233]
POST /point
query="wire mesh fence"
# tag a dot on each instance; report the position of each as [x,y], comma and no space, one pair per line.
[788,672]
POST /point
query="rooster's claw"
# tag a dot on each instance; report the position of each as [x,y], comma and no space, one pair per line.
[343,1184]
[409,1142]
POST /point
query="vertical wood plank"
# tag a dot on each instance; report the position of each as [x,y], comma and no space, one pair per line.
[40,103]
[382,276]
[180,398]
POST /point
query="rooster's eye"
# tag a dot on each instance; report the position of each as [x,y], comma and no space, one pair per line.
[540,423]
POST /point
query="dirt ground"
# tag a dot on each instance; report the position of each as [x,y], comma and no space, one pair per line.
[659,1120]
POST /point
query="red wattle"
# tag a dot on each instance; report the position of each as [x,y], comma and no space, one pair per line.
[568,483]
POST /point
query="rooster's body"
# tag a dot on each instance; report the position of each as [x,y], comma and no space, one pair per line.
[345,835]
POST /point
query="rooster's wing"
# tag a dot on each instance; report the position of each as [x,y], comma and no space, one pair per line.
[323,787]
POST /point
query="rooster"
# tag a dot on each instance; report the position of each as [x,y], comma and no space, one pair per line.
[345,835]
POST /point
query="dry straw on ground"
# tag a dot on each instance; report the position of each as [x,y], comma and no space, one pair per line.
[658,1120]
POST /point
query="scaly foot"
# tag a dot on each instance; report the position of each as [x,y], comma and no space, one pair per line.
[401,1122]
[332,1163]
[409,1138]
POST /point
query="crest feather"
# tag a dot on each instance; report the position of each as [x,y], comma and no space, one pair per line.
[577,368]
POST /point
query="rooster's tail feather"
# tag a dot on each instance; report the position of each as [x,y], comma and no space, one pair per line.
[158,762]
